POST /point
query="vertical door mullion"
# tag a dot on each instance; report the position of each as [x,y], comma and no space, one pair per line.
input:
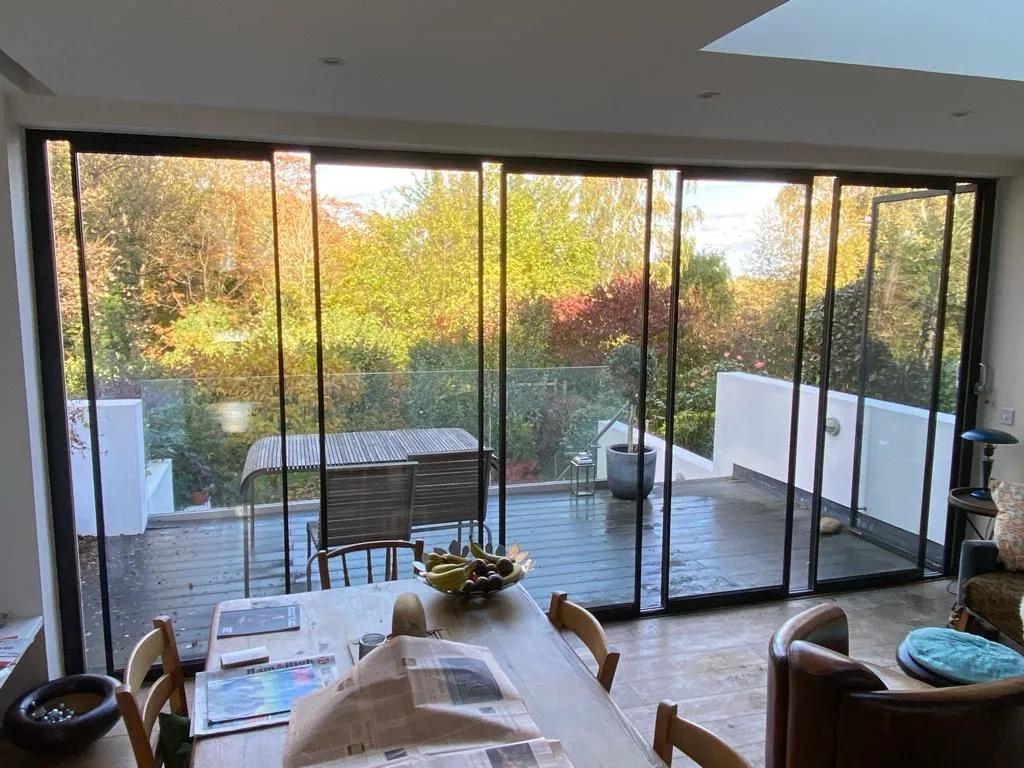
[670,388]
[502,351]
[318,310]
[642,396]
[823,382]
[798,365]
[862,367]
[484,471]
[280,382]
[94,429]
[936,378]
[970,355]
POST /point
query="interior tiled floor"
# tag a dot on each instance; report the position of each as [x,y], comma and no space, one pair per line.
[713,663]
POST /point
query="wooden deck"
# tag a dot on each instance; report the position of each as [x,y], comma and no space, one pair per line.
[726,535]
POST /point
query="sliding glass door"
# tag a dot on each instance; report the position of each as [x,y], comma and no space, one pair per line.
[673,387]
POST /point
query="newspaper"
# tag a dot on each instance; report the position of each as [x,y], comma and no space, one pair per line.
[537,753]
[421,696]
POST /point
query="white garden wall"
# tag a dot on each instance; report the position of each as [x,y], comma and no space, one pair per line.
[752,422]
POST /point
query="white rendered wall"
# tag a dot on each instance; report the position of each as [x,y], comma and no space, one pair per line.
[122,468]
[752,423]
[27,575]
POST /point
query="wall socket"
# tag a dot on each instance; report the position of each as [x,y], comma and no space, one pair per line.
[1006,416]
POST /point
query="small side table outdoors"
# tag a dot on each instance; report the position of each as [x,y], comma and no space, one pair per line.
[962,501]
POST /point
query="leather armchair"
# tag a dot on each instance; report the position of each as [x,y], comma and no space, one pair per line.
[826,710]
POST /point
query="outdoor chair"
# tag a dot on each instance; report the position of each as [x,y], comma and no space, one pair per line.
[365,502]
[390,559]
[448,489]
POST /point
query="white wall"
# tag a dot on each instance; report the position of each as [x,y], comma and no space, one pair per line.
[1004,352]
[27,576]
[752,423]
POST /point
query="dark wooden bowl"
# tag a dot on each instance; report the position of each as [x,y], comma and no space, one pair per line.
[90,696]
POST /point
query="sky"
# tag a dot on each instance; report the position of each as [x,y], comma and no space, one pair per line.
[731,208]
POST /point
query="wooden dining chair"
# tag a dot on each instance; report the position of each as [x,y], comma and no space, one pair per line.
[390,548]
[141,716]
[701,746]
[581,622]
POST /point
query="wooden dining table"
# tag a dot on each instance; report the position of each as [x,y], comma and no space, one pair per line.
[561,693]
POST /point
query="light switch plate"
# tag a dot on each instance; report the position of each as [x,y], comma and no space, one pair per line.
[1006,416]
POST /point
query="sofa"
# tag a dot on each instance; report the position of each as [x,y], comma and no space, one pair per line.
[990,592]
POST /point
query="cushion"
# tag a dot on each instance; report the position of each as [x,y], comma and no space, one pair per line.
[1008,533]
[175,746]
[997,597]
[963,657]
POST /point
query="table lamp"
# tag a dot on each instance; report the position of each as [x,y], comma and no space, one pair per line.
[991,438]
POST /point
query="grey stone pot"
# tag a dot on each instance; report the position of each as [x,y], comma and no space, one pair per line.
[622,471]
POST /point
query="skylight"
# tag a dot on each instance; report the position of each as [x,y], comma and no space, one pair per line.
[982,38]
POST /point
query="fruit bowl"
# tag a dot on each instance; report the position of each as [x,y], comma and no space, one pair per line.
[473,571]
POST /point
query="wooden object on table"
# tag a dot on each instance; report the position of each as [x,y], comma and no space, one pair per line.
[581,622]
[408,616]
[140,717]
[366,502]
[28,669]
[390,548]
[563,697]
[701,746]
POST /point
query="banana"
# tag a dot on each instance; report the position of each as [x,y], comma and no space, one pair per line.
[446,567]
[433,559]
[482,554]
[449,580]
[448,557]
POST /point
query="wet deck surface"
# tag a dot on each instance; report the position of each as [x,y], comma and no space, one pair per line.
[726,535]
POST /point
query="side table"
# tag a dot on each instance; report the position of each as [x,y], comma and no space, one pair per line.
[962,501]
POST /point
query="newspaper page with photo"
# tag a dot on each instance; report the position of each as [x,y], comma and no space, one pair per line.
[434,695]
[537,753]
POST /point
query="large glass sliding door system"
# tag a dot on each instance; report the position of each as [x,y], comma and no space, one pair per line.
[674,386]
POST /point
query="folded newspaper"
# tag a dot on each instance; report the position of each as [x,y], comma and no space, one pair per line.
[419,703]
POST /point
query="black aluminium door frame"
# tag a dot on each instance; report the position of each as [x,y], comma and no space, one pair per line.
[921,187]
[769,592]
[549,167]
[50,340]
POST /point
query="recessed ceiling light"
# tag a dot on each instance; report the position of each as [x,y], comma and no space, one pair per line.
[331,61]
[708,95]
[961,113]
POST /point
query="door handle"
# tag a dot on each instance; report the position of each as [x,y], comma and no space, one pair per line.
[982,384]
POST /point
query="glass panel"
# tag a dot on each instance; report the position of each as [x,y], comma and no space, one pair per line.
[739,283]
[399,300]
[179,253]
[889,264]
[575,255]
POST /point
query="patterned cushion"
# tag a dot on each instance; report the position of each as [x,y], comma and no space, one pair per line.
[1009,527]
[997,598]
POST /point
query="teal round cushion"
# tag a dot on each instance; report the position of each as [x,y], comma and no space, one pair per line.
[961,656]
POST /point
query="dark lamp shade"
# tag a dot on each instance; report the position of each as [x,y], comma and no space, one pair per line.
[996,436]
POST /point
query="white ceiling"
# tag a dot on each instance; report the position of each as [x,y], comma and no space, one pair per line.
[573,65]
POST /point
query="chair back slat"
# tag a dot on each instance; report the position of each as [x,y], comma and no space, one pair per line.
[448,487]
[169,688]
[390,549]
[368,502]
[582,623]
[701,746]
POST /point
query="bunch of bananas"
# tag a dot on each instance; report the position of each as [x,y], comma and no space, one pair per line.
[483,572]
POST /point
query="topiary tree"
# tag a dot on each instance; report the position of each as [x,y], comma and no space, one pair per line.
[625,369]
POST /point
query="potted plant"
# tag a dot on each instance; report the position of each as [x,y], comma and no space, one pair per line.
[625,367]
[199,476]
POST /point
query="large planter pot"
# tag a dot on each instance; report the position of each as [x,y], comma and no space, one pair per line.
[622,471]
